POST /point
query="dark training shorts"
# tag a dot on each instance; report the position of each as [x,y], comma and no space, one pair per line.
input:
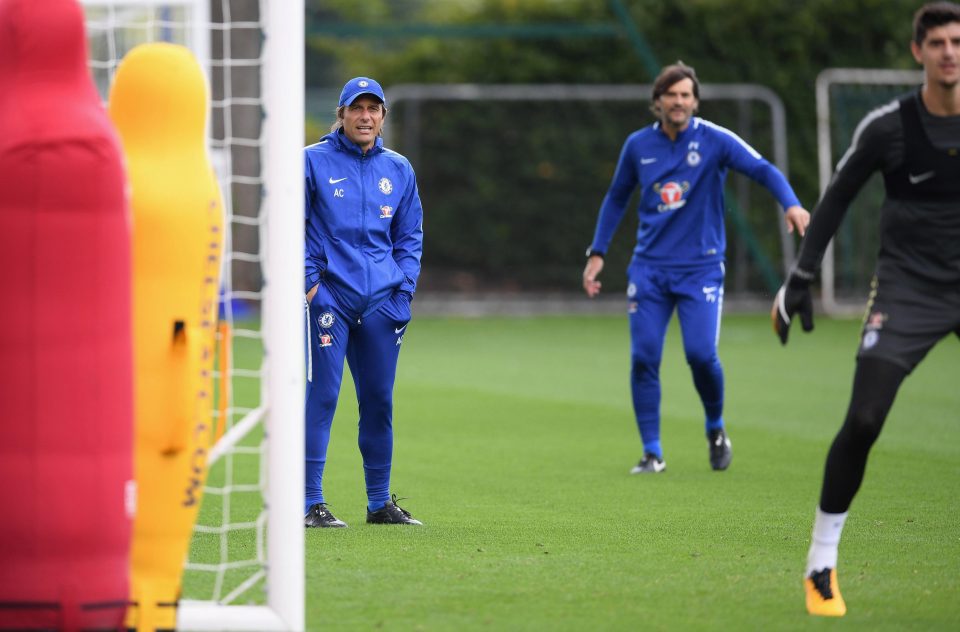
[904,321]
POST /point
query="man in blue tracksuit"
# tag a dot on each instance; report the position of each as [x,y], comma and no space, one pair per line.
[680,163]
[364,238]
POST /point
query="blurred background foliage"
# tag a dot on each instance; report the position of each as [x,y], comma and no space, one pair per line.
[511,189]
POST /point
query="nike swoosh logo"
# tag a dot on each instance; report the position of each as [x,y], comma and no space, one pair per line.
[398,330]
[332,181]
[647,161]
[922,177]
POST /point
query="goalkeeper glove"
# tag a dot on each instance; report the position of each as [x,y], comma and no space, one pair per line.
[793,298]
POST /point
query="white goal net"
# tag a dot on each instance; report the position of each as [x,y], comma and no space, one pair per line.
[245,566]
[844,97]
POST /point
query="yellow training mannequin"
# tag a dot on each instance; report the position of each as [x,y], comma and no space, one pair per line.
[158,103]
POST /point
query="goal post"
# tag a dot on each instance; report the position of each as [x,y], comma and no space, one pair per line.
[253,55]
[283,79]
[834,95]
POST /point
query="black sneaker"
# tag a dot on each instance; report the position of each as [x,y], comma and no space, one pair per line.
[649,464]
[721,451]
[391,513]
[320,516]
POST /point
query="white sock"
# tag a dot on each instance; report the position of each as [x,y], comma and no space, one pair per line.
[827,528]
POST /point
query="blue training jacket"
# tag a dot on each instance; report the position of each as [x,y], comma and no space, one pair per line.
[364,223]
[681,192]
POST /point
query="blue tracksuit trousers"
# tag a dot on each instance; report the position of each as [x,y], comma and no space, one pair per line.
[371,347]
[652,294]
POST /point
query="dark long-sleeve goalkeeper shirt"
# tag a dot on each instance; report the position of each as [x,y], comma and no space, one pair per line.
[919,156]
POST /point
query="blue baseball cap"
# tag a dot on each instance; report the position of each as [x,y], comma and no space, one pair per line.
[358,86]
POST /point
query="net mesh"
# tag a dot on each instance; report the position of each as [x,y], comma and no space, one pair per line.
[227,554]
[522,179]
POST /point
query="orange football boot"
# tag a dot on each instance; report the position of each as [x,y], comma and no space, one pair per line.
[823,594]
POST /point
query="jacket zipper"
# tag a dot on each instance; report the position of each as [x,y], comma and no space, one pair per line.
[363,232]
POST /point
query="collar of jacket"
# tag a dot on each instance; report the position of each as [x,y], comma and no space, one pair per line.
[340,140]
[692,125]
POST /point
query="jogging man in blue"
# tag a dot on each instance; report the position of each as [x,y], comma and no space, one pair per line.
[680,163]
[364,238]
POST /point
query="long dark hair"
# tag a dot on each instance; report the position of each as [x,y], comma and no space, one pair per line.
[670,75]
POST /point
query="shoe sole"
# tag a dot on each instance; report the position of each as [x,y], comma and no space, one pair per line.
[415,523]
[655,470]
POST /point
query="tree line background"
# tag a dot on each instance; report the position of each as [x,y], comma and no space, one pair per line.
[511,191]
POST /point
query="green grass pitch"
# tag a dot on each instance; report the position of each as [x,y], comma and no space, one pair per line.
[513,442]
